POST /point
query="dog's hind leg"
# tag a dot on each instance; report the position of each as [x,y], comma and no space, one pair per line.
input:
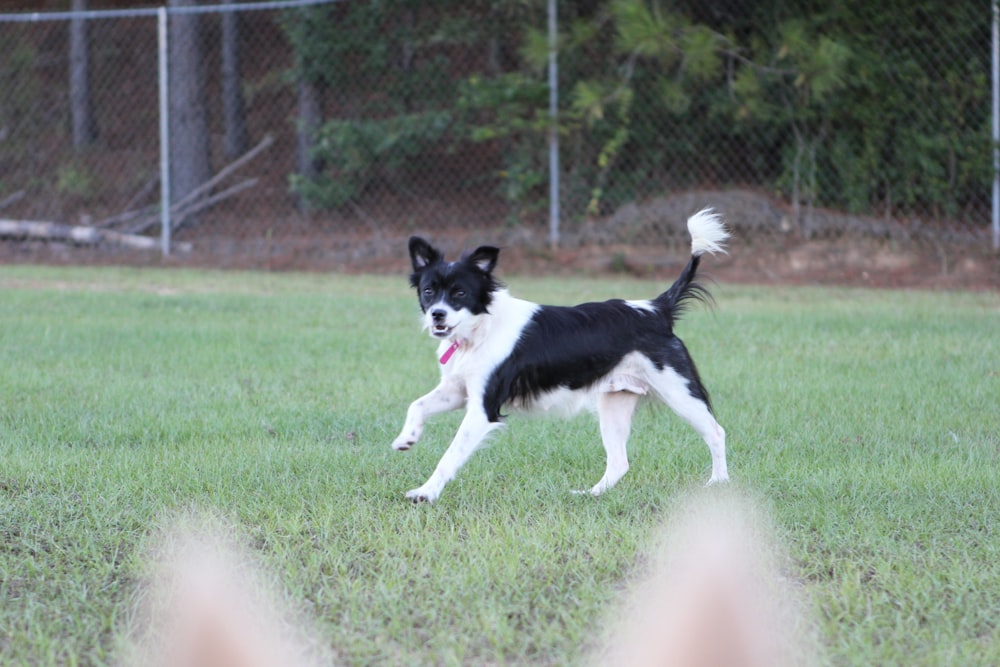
[675,391]
[471,434]
[446,396]
[615,410]
[715,437]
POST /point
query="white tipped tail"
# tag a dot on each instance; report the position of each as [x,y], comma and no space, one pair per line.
[707,232]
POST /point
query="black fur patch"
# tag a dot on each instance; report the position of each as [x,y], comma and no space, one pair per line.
[575,347]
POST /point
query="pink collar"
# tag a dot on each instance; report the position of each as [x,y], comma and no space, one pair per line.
[447,353]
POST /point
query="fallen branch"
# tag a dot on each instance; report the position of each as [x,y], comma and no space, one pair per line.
[12,199]
[179,215]
[193,202]
[56,231]
[224,172]
[214,199]
[129,213]
[122,218]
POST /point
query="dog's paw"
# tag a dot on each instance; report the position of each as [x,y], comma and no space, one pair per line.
[594,491]
[717,479]
[401,444]
[420,496]
[407,439]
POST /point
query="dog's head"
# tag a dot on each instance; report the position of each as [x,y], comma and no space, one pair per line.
[453,295]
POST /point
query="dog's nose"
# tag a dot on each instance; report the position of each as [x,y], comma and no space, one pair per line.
[438,315]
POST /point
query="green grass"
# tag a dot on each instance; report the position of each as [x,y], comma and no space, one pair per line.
[867,422]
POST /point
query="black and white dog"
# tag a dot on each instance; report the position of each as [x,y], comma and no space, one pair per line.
[497,351]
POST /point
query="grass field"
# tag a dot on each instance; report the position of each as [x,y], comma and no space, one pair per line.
[867,424]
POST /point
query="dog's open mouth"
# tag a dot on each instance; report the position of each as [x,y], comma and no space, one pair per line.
[441,330]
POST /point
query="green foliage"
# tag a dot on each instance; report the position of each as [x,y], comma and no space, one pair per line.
[350,50]
[861,96]
[854,105]
[789,84]
[658,60]
[601,58]
[510,105]
[646,30]
[74,180]
[354,45]
[356,153]
[510,110]
[702,57]
[535,48]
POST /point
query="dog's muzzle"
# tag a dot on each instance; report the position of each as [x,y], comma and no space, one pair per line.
[439,327]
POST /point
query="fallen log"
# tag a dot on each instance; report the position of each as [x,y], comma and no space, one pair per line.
[57,231]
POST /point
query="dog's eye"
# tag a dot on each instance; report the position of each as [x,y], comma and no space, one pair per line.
[458,293]
[428,291]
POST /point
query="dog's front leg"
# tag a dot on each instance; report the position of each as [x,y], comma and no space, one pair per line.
[448,395]
[473,430]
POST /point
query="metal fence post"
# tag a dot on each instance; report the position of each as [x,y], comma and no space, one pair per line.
[996,125]
[553,128]
[161,17]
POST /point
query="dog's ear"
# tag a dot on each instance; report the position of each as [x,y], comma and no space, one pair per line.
[422,253]
[484,258]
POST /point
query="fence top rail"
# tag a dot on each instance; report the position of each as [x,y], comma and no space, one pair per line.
[35,17]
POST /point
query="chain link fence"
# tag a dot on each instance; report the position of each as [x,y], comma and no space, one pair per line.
[323,135]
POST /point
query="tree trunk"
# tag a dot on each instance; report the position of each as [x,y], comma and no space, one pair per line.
[310,118]
[81,103]
[234,110]
[190,163]
[408,53]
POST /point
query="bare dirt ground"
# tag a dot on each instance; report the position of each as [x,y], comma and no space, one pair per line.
[647,240]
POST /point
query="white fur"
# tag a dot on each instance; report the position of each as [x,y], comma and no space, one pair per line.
[644,305]
[707,232]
